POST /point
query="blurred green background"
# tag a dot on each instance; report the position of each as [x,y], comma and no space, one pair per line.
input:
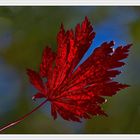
[25,31]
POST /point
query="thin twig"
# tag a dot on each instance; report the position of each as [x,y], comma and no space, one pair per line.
[22,118]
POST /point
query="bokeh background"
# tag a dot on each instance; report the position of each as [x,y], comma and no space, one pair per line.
[25,31]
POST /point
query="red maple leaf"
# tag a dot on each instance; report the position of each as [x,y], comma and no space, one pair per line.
[76,94]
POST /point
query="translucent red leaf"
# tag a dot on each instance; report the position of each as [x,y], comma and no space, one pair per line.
[47,62]
[36,80]
[38,95]
[76,95]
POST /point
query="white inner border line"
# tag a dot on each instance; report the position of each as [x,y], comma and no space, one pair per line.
[70,2]
[70,137]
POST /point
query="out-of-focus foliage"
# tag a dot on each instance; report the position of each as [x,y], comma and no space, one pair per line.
[25,31]
[121,120]
[135,31]
[35,27]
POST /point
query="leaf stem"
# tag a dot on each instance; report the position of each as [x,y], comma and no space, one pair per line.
[22,118]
